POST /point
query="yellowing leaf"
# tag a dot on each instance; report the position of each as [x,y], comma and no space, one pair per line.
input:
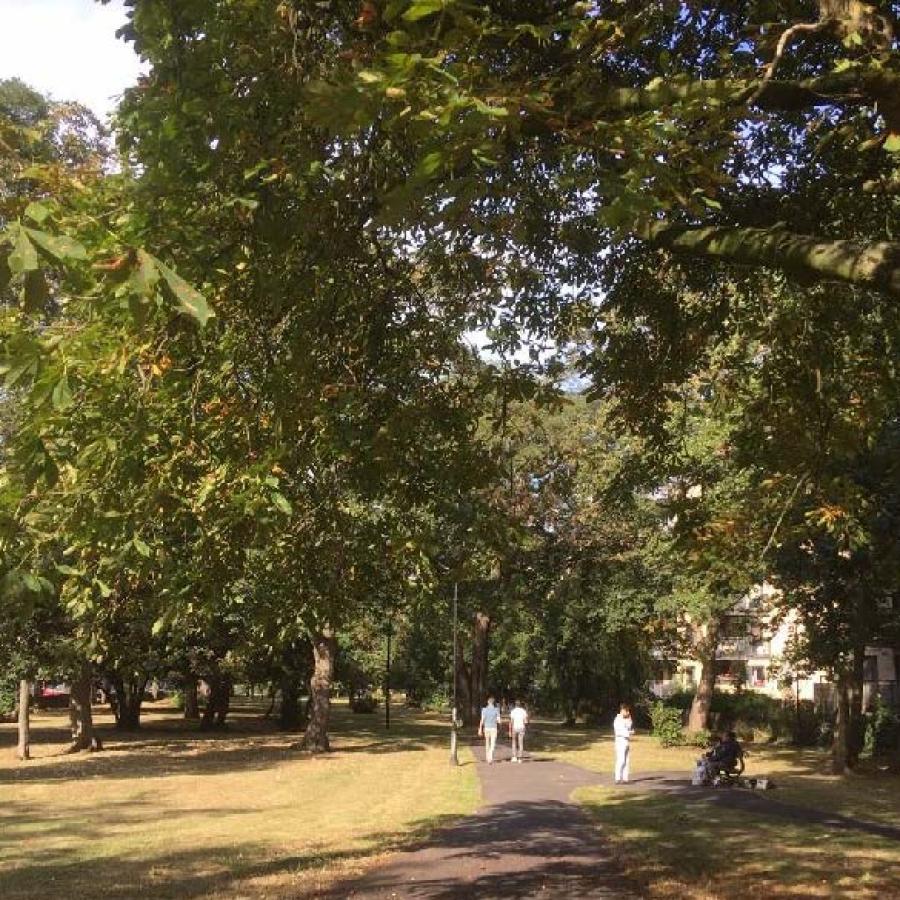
[191,301]
[59,247]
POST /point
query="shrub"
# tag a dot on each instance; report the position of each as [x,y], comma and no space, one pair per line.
[178,699]
[882,730]
[701,738]
[665,724]
[363,702]
[9,696]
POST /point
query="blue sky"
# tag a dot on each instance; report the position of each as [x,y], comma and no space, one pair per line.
[68,49]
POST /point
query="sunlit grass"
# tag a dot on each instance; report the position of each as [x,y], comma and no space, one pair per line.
[172,813]
[691,848]
[801,775]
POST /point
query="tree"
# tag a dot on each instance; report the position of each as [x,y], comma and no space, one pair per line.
[632,120]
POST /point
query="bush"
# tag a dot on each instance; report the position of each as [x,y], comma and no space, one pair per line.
[665,724]
[759,718]
[178,699]
[701,738]
[9,690]
[882,730]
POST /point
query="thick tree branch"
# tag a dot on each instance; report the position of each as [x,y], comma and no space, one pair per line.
[877,85]
[875,266]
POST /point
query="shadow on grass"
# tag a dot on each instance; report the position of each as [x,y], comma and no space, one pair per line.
[233,870]
[735,844]
[168,745]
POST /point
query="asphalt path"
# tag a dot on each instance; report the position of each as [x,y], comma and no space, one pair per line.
[528,840]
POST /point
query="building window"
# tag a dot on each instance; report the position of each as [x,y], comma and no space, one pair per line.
[870,668]
[758,676]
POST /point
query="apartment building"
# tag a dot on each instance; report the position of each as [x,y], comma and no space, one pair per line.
[752,654]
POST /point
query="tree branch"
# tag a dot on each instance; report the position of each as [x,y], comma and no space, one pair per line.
[875,266]
[787,35]
[834,88]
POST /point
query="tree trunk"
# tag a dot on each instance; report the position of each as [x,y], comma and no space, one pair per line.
[23,750]
[223,701]
[840,747]
[481,631]
[463,686]
[698,719]
[191,703]
[217,703]
[80,718]
[129,697]
[324,647]
[289,718]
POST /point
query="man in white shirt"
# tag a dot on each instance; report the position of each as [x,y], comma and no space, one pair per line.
[518,719]
[623,728]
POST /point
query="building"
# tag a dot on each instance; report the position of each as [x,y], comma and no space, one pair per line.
[752,655]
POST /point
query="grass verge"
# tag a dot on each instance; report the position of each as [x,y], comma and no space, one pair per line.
[171,813]
[695,849]
[802,776]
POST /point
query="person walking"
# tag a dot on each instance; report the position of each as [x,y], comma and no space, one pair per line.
[518,719]
[623,728]
[490,722]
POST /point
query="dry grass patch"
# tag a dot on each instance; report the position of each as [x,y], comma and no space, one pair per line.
[802,776]
[174,814]
[696,849]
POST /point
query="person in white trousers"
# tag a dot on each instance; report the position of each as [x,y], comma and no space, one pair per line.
[623,727]
[490,722]
[518,719]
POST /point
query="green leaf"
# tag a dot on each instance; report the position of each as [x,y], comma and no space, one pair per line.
[430,163]
[281,503]
[145,275]
[15,373]
[37,211]
[24,256]
[421,9]
[62,394]
[32,583]
[191,301]
[140,546]
[61,248]
[68,570]
[892,144]
[104,589]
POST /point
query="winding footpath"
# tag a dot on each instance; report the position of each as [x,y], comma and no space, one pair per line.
[530,840]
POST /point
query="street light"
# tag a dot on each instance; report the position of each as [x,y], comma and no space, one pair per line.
[454,759]
[388,633]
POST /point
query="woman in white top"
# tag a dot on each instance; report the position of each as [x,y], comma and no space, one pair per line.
[623,728]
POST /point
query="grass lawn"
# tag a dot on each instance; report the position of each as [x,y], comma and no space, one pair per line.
[687,847]
[172,813]
[696,850]
[802,776]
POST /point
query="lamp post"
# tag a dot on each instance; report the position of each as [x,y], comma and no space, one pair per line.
[389,632]
[454,759]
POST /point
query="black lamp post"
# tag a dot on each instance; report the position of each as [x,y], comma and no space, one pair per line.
[454,759]
[388,633]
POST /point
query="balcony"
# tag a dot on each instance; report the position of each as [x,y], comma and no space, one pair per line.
[743,648]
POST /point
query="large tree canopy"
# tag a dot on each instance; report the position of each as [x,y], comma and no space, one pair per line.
[563,127]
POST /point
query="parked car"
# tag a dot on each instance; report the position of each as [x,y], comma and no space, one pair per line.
[51,694]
